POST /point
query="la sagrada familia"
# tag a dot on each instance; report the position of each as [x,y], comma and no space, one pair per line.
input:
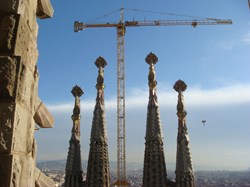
[21,108]
[154,169]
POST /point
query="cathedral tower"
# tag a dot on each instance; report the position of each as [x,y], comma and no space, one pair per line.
[184,168]
[154,171]
[98,164]
[73,177]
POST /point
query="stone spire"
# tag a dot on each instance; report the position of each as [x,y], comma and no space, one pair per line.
[98,164]
[73,177]
[184,168]
[154,172]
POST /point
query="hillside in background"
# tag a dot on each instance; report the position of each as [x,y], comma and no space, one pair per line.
[60,165]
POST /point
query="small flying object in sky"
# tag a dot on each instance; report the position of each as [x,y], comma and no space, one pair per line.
[203,122]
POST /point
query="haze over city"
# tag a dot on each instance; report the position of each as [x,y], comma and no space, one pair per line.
[212,60]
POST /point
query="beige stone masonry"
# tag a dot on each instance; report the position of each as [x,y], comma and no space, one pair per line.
[20,106]
[9,71]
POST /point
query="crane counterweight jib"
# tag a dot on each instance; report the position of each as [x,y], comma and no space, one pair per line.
[78,26]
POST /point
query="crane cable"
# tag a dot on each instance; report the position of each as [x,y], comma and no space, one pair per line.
[149,11]
[170,14]
[199,77]
[103,16]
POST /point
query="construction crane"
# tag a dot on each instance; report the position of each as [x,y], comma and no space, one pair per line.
[121,29]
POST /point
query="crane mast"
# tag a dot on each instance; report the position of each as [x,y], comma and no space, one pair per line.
[121,29]
[121,135]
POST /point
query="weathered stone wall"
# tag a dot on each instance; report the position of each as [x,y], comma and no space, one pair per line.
[20,106]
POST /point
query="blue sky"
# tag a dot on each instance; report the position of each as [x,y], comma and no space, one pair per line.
[212,60]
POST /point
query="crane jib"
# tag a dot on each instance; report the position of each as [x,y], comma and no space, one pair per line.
[81,26]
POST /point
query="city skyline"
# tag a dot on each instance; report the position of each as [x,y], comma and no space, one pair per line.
[212,60]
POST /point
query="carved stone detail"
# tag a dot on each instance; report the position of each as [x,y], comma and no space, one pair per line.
[6,127]
[41,180]
[3,141]
[9,69]
[8,28]
[16,174]
[10,6]
[44,9]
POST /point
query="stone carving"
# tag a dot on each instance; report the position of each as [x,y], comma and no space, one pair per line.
[6,129]
[41,179]
[42,116]
[20,106]
[2,141]
[152,59]
[44,9]
[8,72]
[8,27]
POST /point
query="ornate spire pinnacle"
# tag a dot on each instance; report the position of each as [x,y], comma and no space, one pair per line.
[154,171]
[152,59]
[98,162]
[73,175]
[77,91]
[184,168]
[100,64]
[180,86]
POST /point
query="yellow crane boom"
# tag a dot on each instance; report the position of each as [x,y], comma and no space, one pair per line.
[121,28]
[81,26]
